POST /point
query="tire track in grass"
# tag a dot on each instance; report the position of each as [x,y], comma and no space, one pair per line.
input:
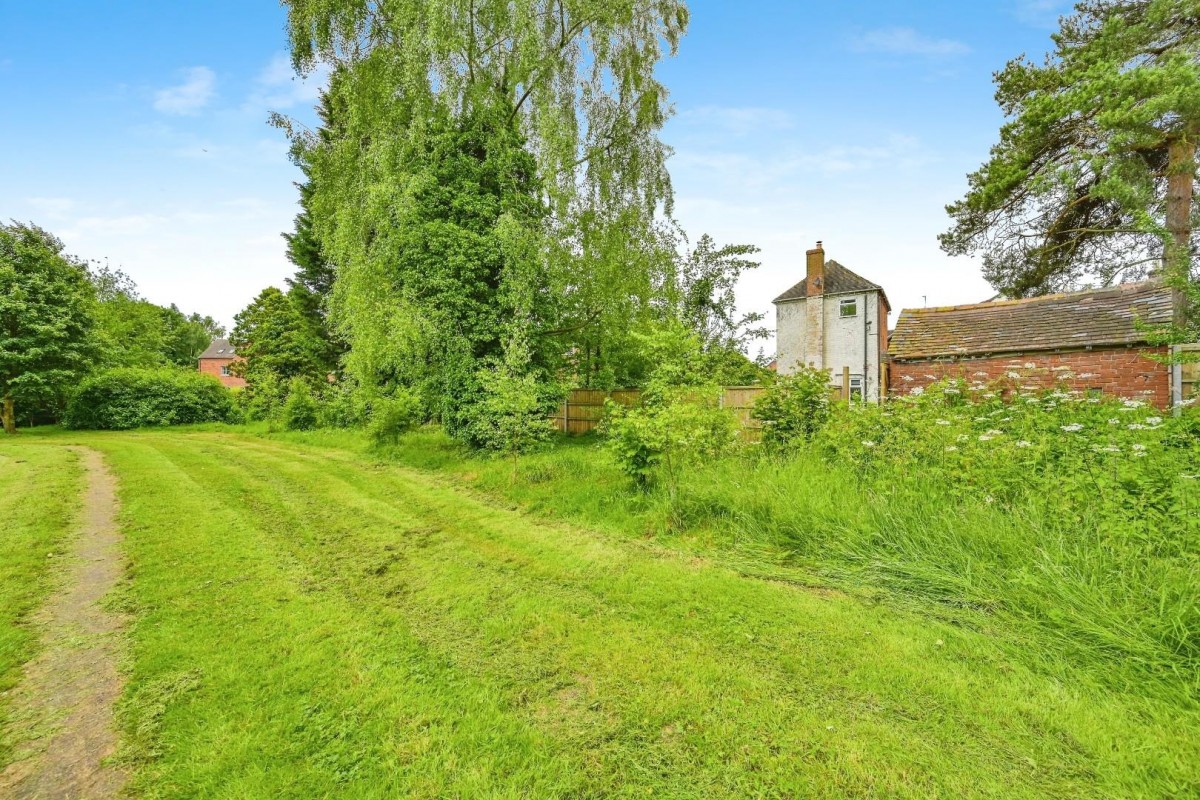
[66,698]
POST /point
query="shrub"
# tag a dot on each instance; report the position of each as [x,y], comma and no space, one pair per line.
[793,408]
[513,412]
[262,399]
[300,408]
[673,429]
[392,416]
[343,406]
[119,399]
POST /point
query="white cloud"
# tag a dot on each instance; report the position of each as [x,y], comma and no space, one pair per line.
[54,207]
[278,87]
[907,42]
[189,97]
[737,121]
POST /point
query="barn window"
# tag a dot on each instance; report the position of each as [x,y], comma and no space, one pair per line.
[849,308]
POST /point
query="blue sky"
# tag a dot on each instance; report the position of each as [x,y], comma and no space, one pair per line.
[137,132]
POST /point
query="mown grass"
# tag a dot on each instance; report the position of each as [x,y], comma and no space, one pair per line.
[311,621]
[39,489]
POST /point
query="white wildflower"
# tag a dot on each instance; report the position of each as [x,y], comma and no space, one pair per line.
[917,391]
[1074,427]
[1024,443]
[1114,421]
[1136,427]
[1154,420]
[951,390]
[980,375]
[1013,375]
[943,422]
[1138,448]
[995,432]
[932,377]
[962,437]
[907,378]
[951,448]
[986,437]
[868,443]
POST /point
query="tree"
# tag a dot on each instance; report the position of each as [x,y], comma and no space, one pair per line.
[133,332]
[444,118]
[1093,175]
[46,318]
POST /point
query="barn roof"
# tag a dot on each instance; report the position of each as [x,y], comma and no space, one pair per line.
[220,348]
[838,280]
[1112,316]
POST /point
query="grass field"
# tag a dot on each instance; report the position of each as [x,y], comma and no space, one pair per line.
[39,487]
[312,621]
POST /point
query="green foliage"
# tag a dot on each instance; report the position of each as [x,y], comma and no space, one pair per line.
[126,397]
[47,310]
[133,332]
[793,408]
[391,417]
[512,414]
[275,339]
[262,400]
[300,410]
[679,422]
[1077,187]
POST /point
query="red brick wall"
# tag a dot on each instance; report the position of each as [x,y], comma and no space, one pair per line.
[212,366]
[1123,372]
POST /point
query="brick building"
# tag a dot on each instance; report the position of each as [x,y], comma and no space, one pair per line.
[216,361]
[834,320]
[1092,341]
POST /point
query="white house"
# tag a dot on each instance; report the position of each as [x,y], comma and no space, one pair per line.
[834,320]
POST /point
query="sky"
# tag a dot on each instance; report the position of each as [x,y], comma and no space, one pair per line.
[137,132]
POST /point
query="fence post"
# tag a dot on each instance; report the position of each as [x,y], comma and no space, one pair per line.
[567,412]
[846,384]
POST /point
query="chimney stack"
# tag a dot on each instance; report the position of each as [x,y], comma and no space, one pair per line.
[816,271]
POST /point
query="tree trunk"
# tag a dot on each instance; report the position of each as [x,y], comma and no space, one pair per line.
[1181,178]
[9,415]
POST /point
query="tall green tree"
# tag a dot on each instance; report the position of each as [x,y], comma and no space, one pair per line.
[46,319]
[1094,172]
[448,120]
[271,336]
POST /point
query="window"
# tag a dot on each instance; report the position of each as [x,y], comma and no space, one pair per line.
[225,373]
[856,387]
[849,308]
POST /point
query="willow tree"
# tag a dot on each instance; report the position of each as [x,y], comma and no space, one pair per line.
[1093,176]
[453,122]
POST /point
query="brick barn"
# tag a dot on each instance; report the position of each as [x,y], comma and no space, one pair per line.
[1091,341]
[216,361]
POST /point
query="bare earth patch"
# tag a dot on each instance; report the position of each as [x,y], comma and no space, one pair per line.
[64,706]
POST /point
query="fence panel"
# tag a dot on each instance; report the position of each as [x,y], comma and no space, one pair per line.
[1190,371]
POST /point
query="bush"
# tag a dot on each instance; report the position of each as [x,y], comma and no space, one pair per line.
[120,399]
[392,416]
[262,399]
[300,408]
[793,408]
[673,429]
[513,412]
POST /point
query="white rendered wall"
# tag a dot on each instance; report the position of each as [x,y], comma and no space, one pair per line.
[849,341]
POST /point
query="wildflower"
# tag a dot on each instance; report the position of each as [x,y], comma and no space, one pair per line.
[951,391]
[1114,421]
[1190,477]
[1074,427]
[868,443]
[1112,448]
[932,377]
[906,378]
[995,432]
[986,437]
[1136,427]
[1024,443]
[962,437]
[980,375]
[987,498]
[951,448]
[989,395]
[1132,403]
[917,391]
[1013,375]
[943,422]
[1153,420]
[1138,448]
[1006,419]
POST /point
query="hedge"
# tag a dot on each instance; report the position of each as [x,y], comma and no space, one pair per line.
[119,399]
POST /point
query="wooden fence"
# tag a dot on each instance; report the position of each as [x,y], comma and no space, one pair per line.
[1190,371]
[584,408]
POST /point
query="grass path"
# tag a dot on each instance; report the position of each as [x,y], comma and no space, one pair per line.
[64,703]
[311,624]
